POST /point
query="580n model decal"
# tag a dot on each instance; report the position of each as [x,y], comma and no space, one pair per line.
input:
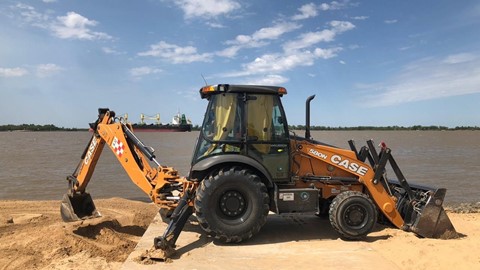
[318,154]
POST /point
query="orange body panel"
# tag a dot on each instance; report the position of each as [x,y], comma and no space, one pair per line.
[315,160]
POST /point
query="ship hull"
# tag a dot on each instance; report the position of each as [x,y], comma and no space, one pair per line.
[161,128]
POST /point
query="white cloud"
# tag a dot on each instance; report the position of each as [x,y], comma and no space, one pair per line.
[308,39]
[49,1]
[29,15]
[206,8]
[215,25]
[334,5]
[70,26]
[229,52]
[47,70]
[176,54]
[272,79]
[360,18]
[295,53]
[13,72]
[311,38]
[75,26]
[342,62]
[354,46]
[143,71]
[274,32]
[404,48]
[113,51]
[310,10]
[277,63]
[257,39]
[341,26]
[459,58]
[244,41]
[390,21]
[41,71]
[326,53]
[427,79]
[306,11]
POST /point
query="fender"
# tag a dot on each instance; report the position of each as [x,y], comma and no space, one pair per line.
[206,164]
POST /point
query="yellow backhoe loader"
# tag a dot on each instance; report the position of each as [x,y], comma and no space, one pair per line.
[246,163]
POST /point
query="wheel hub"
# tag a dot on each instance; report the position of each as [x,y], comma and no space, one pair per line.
[355,215]
[232,203]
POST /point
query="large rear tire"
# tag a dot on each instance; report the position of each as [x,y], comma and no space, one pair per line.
[232,204]
[353,215]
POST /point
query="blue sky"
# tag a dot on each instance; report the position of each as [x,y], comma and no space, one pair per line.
[368,62]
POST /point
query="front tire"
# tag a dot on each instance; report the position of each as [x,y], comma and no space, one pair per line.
[232,204]
[353,215]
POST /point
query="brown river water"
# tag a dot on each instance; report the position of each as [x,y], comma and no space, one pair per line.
[34,165]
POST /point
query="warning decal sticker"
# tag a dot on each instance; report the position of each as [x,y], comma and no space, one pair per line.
[118,147]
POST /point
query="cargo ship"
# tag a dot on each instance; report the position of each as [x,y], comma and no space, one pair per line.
[179,124]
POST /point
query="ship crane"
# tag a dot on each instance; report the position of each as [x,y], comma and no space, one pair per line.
[156,118]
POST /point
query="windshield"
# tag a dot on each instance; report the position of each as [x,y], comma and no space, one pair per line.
[242,123]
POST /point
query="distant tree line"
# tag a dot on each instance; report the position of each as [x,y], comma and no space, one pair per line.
[416,127]
[196,127]
[32,127]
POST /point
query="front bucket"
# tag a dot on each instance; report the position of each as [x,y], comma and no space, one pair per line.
[433,222]
[77,207]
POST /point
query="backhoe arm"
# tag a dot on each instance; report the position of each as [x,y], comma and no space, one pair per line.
[157,182]
[162,184]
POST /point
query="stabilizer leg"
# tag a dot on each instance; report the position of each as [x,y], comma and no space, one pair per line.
[164,246]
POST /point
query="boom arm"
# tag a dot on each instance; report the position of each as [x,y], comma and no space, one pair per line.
[157,182]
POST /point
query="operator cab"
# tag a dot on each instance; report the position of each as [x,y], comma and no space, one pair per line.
[247,121]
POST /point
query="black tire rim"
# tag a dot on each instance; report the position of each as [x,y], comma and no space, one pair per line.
[232,204]
[355,216]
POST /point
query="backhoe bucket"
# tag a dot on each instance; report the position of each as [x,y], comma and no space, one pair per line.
[432,221]
[77,207]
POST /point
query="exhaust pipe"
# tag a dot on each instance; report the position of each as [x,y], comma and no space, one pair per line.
[307,117]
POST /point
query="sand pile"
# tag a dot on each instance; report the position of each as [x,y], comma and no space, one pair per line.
[34,236]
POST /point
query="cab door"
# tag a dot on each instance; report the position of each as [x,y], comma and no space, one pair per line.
[267,135]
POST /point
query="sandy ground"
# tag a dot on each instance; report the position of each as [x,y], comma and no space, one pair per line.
[32,235]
